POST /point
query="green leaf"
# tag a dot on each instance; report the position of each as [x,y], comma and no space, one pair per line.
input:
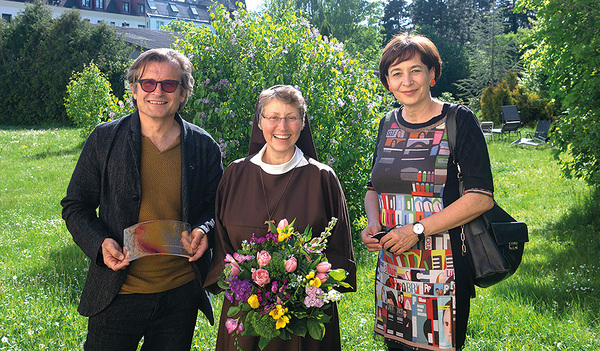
[233,310]
[337,274]
[299,327]
[263,342]
[316,329]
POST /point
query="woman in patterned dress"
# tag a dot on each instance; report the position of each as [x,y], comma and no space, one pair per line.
[413,198]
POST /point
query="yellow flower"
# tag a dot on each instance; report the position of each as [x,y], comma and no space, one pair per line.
[278,312]
[282,322]
[253,301]
[310,275]
[283,235]
[315,282]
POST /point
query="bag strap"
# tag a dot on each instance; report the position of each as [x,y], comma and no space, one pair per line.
[451,130]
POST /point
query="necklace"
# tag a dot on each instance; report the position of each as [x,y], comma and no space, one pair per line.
[262,182]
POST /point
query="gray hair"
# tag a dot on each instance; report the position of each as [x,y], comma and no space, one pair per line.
[136,70]
[284,93]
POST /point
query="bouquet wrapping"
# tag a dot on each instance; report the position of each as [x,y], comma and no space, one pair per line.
[281,284]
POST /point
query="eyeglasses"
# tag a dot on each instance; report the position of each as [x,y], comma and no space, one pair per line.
[149,85]
[274,120]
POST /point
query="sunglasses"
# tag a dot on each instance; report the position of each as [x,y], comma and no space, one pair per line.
[149,85]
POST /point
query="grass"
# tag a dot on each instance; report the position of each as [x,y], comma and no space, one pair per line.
[550,304]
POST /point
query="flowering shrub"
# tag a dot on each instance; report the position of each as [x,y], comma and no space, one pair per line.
[281,284]
[242,54]
[88,98]
[90,101]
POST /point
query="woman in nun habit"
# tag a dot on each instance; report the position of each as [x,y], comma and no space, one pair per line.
[280,179]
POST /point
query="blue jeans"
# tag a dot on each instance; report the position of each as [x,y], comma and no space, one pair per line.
[166,320]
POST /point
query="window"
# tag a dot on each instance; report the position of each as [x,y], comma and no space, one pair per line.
[151,5]
[159,24]
[6,17]
[85,3]
[194,10]
[125,7]
[173,8]
[100,4]
[141,9]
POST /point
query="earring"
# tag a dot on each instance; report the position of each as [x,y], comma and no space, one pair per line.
[390,89]
[432,83]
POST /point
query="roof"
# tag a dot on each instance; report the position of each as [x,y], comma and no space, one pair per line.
[146,38]
[196,11]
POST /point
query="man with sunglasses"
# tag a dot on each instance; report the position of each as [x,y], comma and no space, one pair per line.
[150,165]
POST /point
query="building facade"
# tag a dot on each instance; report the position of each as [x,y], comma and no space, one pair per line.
[151,14]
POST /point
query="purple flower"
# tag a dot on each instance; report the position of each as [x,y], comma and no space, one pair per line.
[202,115]
[331,161]
[224,82]
[228,296]
[312,297]
[234,41]
[241,288]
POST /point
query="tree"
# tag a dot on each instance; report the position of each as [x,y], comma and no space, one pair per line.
[566,50]
[450,19]
[38,55]
[352,22]
[492,54]
[395,19]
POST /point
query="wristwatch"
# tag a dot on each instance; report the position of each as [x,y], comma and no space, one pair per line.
[419,230]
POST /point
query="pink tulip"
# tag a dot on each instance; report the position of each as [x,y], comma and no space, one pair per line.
[291,265]
[261,277]
[323,267]
[282,224]
[322,277]
[263,258]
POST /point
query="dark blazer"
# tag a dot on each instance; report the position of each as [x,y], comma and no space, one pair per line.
[107,178]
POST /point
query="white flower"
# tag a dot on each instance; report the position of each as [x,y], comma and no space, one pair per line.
[334,295]
[30,332]
[4,339]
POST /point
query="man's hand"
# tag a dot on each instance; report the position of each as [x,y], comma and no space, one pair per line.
[114,256]
[195,244]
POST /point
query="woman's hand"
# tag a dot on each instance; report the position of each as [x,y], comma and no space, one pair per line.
[399,240]
[371,243]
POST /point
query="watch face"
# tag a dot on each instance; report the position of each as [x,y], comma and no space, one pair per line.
[418,228]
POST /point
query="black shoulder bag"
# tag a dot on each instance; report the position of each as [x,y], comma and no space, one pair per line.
[494,241]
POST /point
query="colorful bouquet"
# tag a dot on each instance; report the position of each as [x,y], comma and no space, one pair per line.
[281,284]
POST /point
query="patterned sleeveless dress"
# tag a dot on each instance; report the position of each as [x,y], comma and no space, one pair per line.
[415,304]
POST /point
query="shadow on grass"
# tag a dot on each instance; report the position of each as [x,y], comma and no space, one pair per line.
[63,276]
[562,268]
[75,150]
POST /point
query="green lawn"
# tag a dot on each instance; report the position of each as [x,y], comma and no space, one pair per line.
[550,304]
